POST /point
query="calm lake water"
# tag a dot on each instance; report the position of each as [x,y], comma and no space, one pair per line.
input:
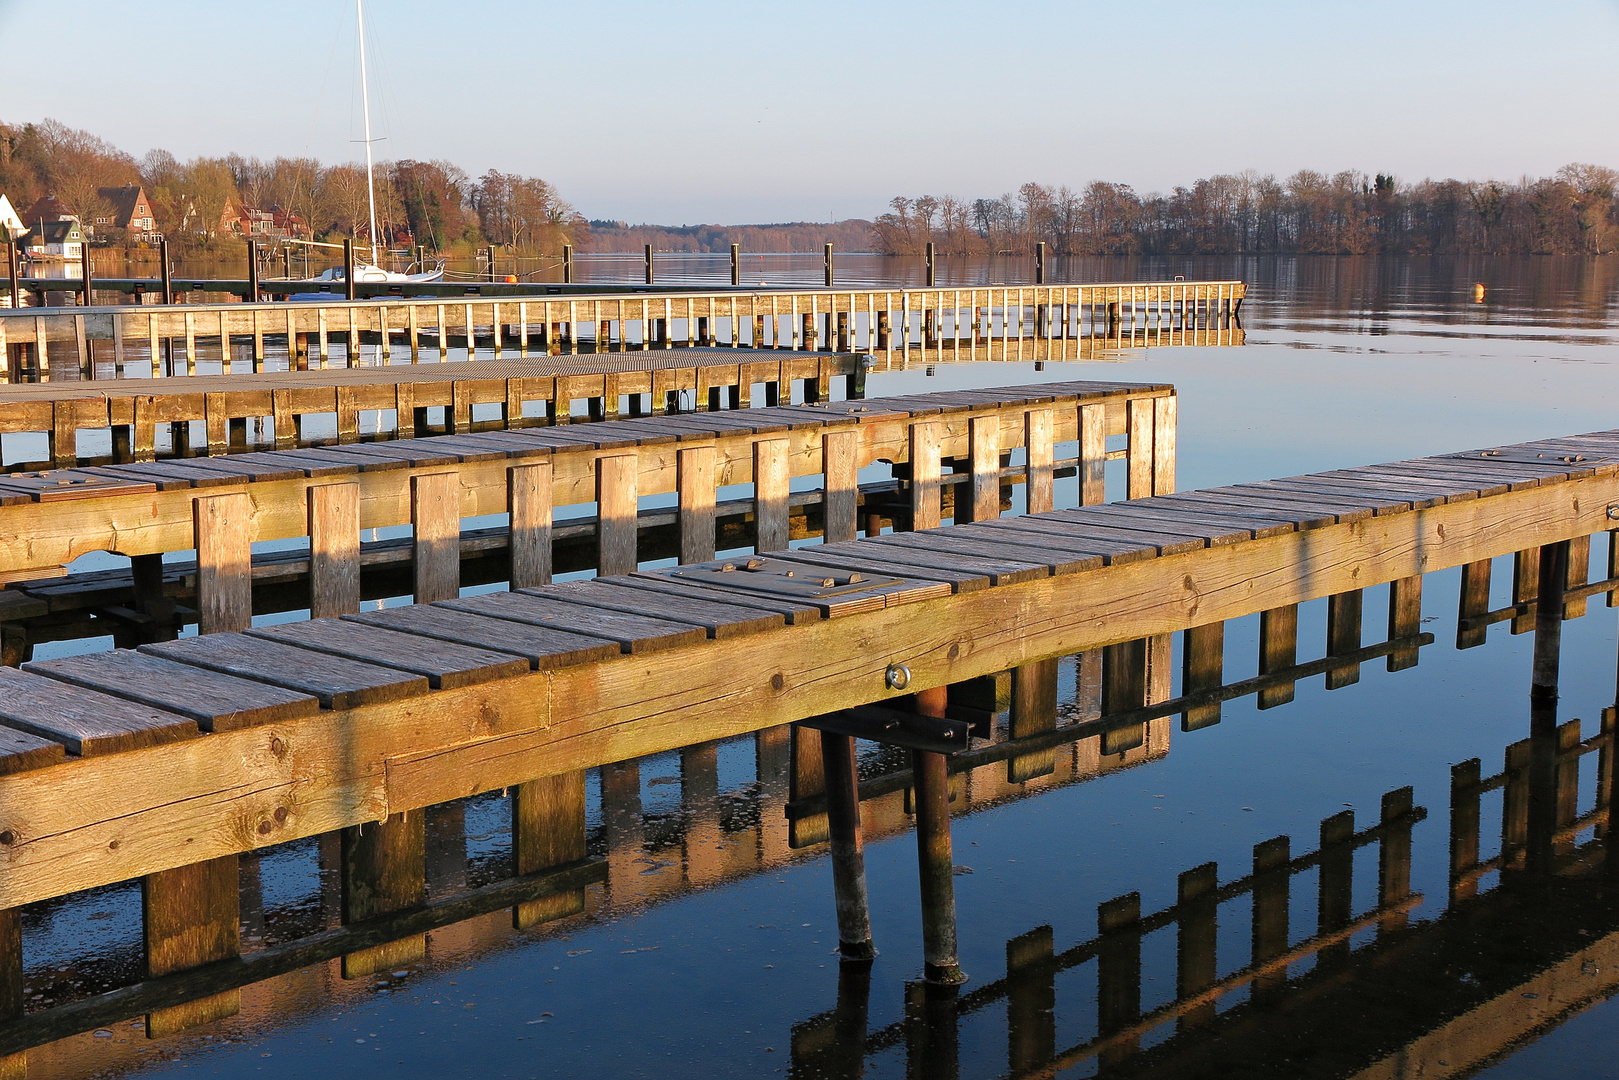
[700,960]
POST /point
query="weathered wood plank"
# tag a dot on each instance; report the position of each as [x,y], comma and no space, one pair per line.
[85,722]
[695,481]
[435,515]
[215,701]
[530,495]
[190,918]
[617,501]
[444,664]
[548,830]
[338,683]
[334,550]
[223,525]
[542,646]
[771,479]
[635,633]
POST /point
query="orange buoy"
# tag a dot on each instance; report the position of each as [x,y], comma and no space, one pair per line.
[1478,294]
[512,279]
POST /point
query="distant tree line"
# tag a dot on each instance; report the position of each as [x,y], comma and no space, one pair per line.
[1574,211]
[850,235]
[430,203]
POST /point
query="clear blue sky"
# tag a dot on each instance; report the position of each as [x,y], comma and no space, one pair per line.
[734,112]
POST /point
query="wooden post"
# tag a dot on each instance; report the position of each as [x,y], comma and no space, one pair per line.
[616,502]
[828,257]
[1039,491]
[348,274]
[1040,263]
[252,271]
[163,266]
[930,777]
[847,847]
[190,918]
[771,480]
[1034,710]
[334,550]
[490,251]
[984,500]
[1124,688]
[11,272]
[1278,649]
[841,488]
[649,274]
[528,489]
[1202,668]
[1093,455]
[1196,932]
[1139,413]
[1525,580]
[926,501]
[435,518]
[695,483]
[384,870]
[1343,635]
[567,264]
[1405,618]
[1335,896]
[1553,576]
[1394,857]
[222,530]
[931,266]
[1579,573]
[1474,601]
[1031,1001]
[12,1066]
[806,777]
[88,281]
[548,830]
[736,279]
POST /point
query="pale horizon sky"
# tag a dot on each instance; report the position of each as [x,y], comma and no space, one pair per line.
[723,112]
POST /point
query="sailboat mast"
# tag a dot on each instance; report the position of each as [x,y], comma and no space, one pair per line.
[365,100]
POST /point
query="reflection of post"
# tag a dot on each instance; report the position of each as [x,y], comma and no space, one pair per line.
[1464,821]
[1031,1001]
[1540,818]
[191,916]
[1568,781]
[772,749]
[1278,649]
[1394,857]
[1525,582]
[548,829]
[848,852]
[384,871]
[935,860]
[1272,884]
[623,828]
[1202,668]
[12,1066]
[1197,930]
[1515,803]
[1118,973]
[1034,709]
[700,805]
[932,1046]
[1604,792]
[1553,574]
[832,1046]
[1475,601]
[1335,904]
[446,829]
[1124,687]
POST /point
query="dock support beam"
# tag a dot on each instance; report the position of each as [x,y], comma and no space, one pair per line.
[384,871]
[848,848]
[548,830]
[1548,636]
[935,860]
[191,916]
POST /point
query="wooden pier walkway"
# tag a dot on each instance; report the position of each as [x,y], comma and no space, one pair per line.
[230,740]
[1040,322]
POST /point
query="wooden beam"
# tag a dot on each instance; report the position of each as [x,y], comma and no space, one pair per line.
[334,550]
[435,516]
[529,494]
[696,494]
[222,525]
[384,870]
[617,499]
[190,918]
[548,830]
[771,480]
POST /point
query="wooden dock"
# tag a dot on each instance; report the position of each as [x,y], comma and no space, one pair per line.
[1037,323]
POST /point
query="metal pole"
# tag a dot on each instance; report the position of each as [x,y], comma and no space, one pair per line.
[253,271]
[11,268]
[930,779]
[168,282]
[847,847]
[348,266]
[1548,636]
[649,264]
[84,269]
[736,264]
[567,264]
[286,262]
[829,266]
[490,251]
[930,264]
[1040,263]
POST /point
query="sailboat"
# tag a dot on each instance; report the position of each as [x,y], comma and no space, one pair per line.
[363,271]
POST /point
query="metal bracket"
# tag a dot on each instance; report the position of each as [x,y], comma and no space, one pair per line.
[894,727]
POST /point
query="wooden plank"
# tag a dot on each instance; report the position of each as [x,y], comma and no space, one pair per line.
[223,529]
[542,646]
[1278,649]
[1343,635]
[435,517]
[617,502]
[1202,668]
[722,619]
[22,752]
[339,683]
[548,830]
[334,550]
[983,502]
[191,917]
[1164,419]
[446,665]
[1474,601]
[635,634]
[926,505]
[86,722]
[794,612]
[216,702]
[1139,452]
[215,422]
[1005,562]
[771,482]
[529,489]
[695,486]
[1114,546]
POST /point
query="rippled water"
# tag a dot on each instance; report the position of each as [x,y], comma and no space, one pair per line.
[712,945]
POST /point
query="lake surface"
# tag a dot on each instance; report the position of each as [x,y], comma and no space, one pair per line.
[711,951]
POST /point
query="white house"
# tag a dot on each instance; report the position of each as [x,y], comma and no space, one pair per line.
[9,219]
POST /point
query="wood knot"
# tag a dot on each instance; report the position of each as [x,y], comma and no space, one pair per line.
[955,650]
[113,846]
[265,827]
[281,813]
[278,746]
[778,681]
[8,837]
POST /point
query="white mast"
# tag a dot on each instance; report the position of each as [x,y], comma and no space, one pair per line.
[365,99]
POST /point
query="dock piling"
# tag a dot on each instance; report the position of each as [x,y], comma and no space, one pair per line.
[935,859]
[847,847]
[1553,577]
[384,870]
[548,830]
[190,917]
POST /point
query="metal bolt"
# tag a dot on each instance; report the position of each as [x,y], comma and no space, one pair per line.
[1613,511]
[898,676]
